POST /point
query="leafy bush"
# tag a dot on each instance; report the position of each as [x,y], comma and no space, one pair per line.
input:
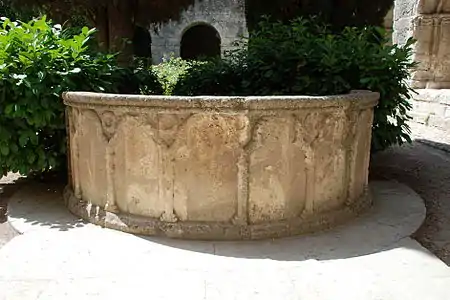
[37,64]
[305,57]
[16,12]
[139,79]
[169,71]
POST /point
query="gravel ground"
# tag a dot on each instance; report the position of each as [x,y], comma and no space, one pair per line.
[423,165]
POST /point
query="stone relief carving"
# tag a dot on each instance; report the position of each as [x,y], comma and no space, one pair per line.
[74,125]
[210,150]
[166,126]
[212,132]
[429,24]
[285,150]
[348,144]
[318,134]
[245,129]
[433,6]
[307,136]
[278,178]
[109,122]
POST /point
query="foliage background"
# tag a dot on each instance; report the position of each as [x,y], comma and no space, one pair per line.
[116,20]
[38,62]
[305,57]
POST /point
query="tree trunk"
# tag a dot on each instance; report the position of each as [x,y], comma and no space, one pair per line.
[121,29]
[102,25]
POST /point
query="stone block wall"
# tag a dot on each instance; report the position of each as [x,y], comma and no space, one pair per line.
[428,22]
[226,16]
[432,108]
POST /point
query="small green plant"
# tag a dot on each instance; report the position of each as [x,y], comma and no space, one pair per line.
[304,57]
[37,64]
[169,71]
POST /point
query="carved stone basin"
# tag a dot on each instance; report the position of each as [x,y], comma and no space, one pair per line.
[218,167]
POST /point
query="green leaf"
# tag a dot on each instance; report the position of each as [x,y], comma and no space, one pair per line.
[23,140]
[4,150]
[13,147]
[31,157]
[9,109]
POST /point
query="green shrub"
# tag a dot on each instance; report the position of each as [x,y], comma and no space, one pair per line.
[37,64]
[170,70]
[139,79]
[16,12]
[306,58]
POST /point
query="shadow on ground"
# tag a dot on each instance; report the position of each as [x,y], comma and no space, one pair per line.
[8,186]
[397,213]
[425,167]
[389,222]
[437,145]
[45,206]
[319,247]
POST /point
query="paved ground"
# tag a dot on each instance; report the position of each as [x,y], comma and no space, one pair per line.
[6,233]
[419,166]
[59,257]
[427,171]
[7,188]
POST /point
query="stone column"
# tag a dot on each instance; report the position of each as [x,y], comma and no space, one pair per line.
[428,22]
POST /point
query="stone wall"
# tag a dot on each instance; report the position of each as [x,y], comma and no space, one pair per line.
[428,22]
[432,108]
[226,16]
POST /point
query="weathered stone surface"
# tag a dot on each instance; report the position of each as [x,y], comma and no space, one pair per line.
[432,108]
[226,16]
[219,167]
[428,22]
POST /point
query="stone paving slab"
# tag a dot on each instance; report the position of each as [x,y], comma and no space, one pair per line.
[60,257]
[426,170]
[7,233]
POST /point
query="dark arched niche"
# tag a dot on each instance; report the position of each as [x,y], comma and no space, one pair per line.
[201,41]
[142,42]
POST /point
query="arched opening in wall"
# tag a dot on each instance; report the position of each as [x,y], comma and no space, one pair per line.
[200,42]
[142,44]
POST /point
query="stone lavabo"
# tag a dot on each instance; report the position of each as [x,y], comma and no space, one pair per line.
[218,167]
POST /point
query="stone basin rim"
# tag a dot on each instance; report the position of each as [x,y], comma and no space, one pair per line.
[361,99]
[269,166]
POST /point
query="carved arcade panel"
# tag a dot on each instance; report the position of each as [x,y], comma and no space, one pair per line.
[228,167]
[428,22]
